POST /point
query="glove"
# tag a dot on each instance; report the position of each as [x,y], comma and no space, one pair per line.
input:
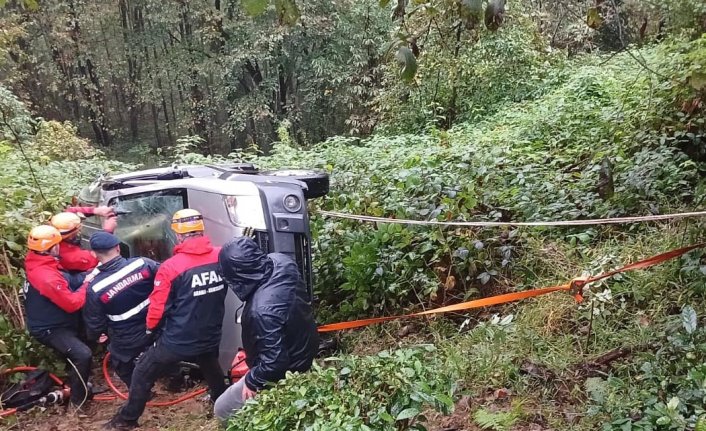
[249,232]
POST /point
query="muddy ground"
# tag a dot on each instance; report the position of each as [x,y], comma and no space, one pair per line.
[192,414]
[195,414]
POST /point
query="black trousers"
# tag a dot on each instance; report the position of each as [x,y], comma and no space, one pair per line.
[154,363]
[68,345]
[124,370]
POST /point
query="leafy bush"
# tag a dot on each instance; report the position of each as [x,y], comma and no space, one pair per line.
[388,391]
[489,72]
[18,348]
[42,165]
[538,159]
[668,391]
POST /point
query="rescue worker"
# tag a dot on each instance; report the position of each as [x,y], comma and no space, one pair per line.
[117,297]
[52,308]
[187,304]
[71,256]
[279,329]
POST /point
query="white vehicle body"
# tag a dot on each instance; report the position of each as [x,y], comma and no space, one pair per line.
[229,200]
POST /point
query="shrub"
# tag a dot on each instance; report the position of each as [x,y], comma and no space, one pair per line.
[388,391]
[537,159]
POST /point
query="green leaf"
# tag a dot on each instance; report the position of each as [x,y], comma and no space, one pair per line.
[408,63]
[287,11]
[32,5]
[13,246]
[255,7]
[689,319]
[597,389]
[386,417]
[673,403]
[594,18]
[446,400]
[384,3]
[407,414]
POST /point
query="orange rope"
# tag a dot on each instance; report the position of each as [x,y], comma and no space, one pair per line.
[8,412]
[574,286]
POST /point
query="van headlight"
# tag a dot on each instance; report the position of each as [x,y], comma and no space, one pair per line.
[245,211]
[292,203]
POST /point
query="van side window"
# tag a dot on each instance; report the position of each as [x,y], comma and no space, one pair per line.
[146,228]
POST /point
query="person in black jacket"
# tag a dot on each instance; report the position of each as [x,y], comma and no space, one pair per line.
[279,329]
[117,297]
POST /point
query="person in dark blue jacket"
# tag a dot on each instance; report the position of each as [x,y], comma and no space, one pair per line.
[187,304]
[279,329]
[117,297]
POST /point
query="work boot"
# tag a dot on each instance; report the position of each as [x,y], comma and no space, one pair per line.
[94,389]
[118,423]
[175,384]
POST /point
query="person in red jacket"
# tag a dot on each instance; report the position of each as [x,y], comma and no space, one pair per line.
[71,256]
[52,308]
[187,305]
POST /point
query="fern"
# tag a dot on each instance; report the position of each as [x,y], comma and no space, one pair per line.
[500,421]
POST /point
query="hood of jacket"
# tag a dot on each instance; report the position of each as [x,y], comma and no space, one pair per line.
[34,260]
[244,266]
[195,245]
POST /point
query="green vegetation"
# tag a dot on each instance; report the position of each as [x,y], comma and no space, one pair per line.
[42,164]
[566,111]
[387,391]
[540,159]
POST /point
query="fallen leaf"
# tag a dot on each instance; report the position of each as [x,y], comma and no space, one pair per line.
[450,282]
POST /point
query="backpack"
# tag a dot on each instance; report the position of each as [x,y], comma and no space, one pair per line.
[35,385]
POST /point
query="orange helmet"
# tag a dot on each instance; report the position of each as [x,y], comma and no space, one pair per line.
[187,221]
[67,224]
[43,238]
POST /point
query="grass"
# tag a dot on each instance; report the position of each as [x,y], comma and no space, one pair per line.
[540,357]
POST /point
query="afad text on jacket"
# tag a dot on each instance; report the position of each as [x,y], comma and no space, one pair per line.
[188,299]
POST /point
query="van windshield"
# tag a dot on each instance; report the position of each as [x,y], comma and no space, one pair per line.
[146,226]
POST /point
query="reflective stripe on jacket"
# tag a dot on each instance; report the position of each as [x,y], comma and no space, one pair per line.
[117,298]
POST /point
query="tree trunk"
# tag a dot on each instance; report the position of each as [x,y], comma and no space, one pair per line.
[130,93]
[92,94]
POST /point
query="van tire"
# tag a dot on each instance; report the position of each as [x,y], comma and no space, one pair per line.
[317,182]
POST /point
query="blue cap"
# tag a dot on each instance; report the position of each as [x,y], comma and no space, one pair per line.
[103,241]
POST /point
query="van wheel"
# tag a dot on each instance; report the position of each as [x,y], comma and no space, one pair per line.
[317,181]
